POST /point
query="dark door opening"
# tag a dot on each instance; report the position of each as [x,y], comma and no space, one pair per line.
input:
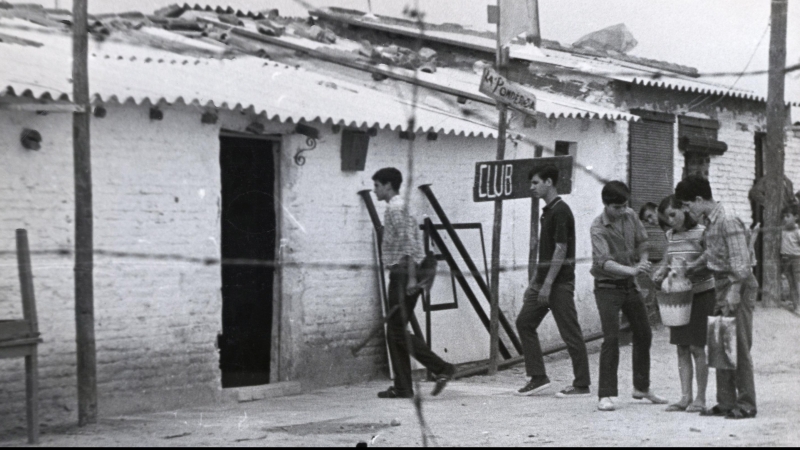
[248,238]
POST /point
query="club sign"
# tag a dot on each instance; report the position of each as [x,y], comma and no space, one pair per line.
[512,94]
[507,180]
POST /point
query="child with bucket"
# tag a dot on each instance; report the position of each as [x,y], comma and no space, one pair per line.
[685,241]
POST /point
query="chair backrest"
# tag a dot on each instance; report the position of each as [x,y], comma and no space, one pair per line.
[26,282]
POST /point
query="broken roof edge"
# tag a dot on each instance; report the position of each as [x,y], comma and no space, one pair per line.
[351,17]
[396,29]
[407,28]
[216,10]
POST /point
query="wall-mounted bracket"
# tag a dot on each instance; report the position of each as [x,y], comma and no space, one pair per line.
[299,159]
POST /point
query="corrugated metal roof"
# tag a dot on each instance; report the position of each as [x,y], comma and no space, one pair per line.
[120,72]
[550,104]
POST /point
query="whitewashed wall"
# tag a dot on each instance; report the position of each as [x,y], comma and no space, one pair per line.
[326,221]
[156,191]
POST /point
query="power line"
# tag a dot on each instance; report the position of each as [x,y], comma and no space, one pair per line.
[739,77]
[269,263]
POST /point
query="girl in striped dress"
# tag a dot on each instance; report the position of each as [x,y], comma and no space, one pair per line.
[685,240]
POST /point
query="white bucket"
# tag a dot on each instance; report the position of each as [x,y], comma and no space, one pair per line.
[675,307]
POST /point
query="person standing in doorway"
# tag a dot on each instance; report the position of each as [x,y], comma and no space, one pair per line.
[402,252]
[619,240]
[553,289]
[728,255]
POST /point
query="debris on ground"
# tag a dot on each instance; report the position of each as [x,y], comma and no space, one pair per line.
[175,436]
[259,438]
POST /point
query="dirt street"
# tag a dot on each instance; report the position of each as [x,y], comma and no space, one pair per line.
[483,410]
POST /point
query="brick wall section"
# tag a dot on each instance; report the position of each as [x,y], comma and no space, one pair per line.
[792,160]
[156,189]
[732,174]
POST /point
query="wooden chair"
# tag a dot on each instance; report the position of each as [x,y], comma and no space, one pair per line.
[20,338]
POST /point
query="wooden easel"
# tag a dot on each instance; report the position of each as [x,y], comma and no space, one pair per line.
[21,337]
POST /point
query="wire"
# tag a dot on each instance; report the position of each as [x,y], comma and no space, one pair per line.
[691,107]
[269,263]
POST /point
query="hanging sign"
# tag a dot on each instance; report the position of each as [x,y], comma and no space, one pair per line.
[512,94]
[508,180]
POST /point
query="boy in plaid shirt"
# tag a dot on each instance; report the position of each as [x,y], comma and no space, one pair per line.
[402,252]
[728,255]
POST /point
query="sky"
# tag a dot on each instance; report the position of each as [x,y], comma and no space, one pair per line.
[711,35]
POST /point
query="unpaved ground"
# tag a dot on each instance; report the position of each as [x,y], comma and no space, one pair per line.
[483,410]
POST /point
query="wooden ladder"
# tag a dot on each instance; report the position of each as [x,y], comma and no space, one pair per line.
[20,338]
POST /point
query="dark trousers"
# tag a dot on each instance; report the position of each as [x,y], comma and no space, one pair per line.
[610,301]
[562,303]
[399,342]
[736,388]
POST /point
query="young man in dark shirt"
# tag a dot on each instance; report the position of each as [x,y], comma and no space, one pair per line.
[618,241]
[553,288]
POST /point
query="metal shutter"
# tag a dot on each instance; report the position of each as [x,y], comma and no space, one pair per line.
[651,144]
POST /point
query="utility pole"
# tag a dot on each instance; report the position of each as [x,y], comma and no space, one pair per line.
[84,258]
[774,154]
[494,316]
[534,37]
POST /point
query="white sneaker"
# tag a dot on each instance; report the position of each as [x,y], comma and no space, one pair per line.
[606,404]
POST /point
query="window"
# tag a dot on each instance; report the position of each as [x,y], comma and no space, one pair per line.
[354,149]
[566,148]
[651,144]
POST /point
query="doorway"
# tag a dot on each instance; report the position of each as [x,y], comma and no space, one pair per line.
[248,235]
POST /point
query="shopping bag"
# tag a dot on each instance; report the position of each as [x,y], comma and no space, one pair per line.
[721,342]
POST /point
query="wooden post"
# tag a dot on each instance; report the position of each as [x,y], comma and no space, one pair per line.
[494,316]
[29,313]
[774,154]
[84,261]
